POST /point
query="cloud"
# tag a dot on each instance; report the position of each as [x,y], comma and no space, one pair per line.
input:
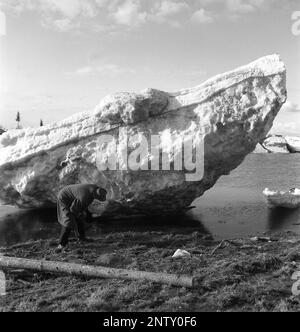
[129,13]
[168,8]
[173,13]
[100,15]
[65,15]
[239,6]
[202,16]
[287,122]
[69,8]
[105,70]
[286,128]
[236,8]
[62,15]
[291,107]
[17,6]
[114,70]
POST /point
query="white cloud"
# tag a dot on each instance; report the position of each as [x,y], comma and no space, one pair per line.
[67,8]
[291,107]
[62,15]
[239,6]
[129,13]
[202,16]
[17,6]
[286,128]
[287,122]
[236,8]
[168,8]
[65,15]
[64,24]
[105,70]
[173,13]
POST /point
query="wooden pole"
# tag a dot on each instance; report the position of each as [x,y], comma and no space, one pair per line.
[94,271]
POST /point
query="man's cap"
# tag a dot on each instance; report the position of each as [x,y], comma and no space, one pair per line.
[100,192]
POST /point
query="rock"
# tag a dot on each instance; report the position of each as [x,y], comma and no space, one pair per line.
[293,144]
[181,254]
[276,144]
[279,144]
[260,149]
[230,114]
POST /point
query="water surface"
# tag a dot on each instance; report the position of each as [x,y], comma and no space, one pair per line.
[235,207]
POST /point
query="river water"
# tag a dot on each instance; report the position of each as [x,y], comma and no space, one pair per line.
[235,207]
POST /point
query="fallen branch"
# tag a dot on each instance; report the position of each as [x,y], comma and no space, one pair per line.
[95,271]
[24,282]
[221,244]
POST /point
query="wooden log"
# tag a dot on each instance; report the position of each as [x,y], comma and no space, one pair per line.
[94,271]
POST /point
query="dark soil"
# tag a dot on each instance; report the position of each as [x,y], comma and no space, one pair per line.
[238,275]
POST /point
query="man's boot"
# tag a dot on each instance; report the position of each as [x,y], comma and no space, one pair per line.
[64,239]
[81,233]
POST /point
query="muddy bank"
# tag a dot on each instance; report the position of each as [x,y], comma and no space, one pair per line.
[239,275]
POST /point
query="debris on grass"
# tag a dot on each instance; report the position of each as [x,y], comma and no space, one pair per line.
[181,254]
[234,275]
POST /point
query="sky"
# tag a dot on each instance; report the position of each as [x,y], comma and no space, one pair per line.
[60,57]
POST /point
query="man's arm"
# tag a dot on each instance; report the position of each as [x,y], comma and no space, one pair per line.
[76,208]
[89,217]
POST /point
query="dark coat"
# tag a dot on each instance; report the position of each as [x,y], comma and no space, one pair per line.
[72,201]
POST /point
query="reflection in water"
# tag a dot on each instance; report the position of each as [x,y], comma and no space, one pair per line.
[279,218]
[24,226]
[28,225]
[234,207]
[180,223]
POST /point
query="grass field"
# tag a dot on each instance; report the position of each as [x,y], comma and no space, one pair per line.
[239,275]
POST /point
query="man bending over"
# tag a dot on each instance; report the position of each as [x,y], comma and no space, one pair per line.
[72,209]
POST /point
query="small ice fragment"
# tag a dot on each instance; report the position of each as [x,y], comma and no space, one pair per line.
[181,253]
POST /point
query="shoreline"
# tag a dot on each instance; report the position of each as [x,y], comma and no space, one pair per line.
[237,275]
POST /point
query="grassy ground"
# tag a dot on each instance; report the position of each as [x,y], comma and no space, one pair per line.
[240,275]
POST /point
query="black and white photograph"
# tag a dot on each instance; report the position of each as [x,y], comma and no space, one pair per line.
[149,158]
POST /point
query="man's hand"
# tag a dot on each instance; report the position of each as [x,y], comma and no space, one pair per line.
[60,249]
[89,217]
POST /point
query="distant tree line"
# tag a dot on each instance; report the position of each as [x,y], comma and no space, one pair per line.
[2,130]
[18,120]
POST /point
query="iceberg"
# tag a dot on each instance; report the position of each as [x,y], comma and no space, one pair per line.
[231,113]
[285,199]
[293,144]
